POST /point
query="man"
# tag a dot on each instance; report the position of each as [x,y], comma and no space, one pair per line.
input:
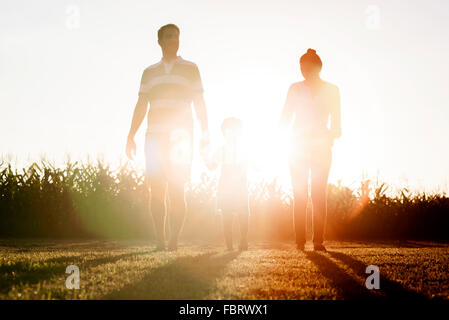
[169,86]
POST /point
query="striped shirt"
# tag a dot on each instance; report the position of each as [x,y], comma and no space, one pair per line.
[170,89]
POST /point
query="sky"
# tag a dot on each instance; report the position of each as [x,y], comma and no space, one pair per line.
[70,73]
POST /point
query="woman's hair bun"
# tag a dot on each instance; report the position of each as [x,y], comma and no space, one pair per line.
[311,51]
[311,57]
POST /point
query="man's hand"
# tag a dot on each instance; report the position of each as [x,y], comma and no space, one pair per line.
[331,138]
[139,114]
[130,148]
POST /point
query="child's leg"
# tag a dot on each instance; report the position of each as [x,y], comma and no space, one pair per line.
[243,224]
[227,228]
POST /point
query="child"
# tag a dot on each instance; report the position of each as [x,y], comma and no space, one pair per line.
[232,190]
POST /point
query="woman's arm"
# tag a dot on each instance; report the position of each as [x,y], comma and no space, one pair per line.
[288,112]
[335,129]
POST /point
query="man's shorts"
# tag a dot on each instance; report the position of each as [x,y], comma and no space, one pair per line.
[169,155]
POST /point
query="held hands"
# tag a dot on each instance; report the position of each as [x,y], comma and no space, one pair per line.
[130,148]
[205,152]
[332,137]
[204,145]
[331,141]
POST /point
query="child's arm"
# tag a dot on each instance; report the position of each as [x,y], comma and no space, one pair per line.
[213,161]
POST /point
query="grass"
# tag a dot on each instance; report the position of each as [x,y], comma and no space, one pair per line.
[35,269]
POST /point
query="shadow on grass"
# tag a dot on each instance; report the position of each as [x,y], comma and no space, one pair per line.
[402,243]
[28,272]
[184,278]
[391,289]
[347,287]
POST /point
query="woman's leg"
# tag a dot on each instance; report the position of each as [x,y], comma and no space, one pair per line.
[320,167]
[299,171]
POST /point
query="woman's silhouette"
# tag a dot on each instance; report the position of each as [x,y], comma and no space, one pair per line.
[310,104]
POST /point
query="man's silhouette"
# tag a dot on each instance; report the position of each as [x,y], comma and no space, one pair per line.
[310,104]
[169,86]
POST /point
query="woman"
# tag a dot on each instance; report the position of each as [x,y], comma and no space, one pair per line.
[309,105]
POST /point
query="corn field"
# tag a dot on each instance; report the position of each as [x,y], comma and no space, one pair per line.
[92,200]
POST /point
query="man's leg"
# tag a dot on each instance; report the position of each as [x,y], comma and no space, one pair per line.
[299,172]
[158,210]
[227,228]
[155,154]
[179,159]
[177,211]
[319,176]
[243,226]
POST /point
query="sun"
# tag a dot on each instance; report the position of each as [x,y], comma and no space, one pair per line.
[268,150]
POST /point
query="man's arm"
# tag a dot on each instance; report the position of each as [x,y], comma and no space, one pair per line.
[198,100]
[139,114]
[201,112]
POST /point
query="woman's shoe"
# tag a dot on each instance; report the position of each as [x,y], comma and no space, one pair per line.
[319,247]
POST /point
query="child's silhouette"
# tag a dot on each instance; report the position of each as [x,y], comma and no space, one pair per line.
[232,190]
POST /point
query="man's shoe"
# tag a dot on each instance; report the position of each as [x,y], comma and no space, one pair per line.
[319,247]
[172,245]
[300,246]
[172,248]
[243,246]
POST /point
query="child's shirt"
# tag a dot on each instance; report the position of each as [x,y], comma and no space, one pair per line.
[232,189]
